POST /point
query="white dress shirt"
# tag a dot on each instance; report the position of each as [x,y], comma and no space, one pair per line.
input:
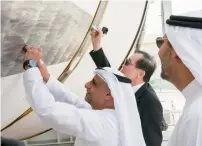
[137,87]
[188,131]
[70,114]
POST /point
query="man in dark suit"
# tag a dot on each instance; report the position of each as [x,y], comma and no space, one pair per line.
[139,68]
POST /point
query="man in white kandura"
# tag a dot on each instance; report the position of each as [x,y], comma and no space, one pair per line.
[109,118]
[181,57]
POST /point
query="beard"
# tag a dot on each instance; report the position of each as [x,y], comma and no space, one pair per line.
[88,98]
[164,75]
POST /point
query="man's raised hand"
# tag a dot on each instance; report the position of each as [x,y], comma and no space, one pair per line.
[96,36]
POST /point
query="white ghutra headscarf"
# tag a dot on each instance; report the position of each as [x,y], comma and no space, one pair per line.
[185,35]
[125,106]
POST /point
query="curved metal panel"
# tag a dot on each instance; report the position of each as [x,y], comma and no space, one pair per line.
[58,27]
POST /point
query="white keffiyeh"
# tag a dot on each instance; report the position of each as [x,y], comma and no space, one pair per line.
[125,107]
[187,43]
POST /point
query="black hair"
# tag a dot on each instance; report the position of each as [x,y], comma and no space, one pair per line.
[146,63]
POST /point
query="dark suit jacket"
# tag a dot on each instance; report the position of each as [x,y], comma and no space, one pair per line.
[149,106]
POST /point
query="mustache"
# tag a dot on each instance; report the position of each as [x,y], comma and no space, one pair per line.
[87,97]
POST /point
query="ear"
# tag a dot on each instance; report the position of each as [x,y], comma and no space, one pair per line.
[108,96]
[141,73]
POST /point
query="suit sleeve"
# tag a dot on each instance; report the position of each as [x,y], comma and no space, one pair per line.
[100,58]
[152,122]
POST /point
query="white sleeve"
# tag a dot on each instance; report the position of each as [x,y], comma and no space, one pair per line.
[63,94]
[191,132]
[87,124]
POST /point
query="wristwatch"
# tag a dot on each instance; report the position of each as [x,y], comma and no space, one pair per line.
[29,63]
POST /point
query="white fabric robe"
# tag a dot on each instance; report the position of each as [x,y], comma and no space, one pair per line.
[188,131]
[70,114]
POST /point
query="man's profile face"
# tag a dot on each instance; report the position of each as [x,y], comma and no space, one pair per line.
[165,53]
[129,67]
[98,93]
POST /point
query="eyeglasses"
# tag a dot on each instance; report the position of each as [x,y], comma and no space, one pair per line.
[127,62]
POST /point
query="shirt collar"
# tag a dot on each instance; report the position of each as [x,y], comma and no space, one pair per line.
[137,87]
